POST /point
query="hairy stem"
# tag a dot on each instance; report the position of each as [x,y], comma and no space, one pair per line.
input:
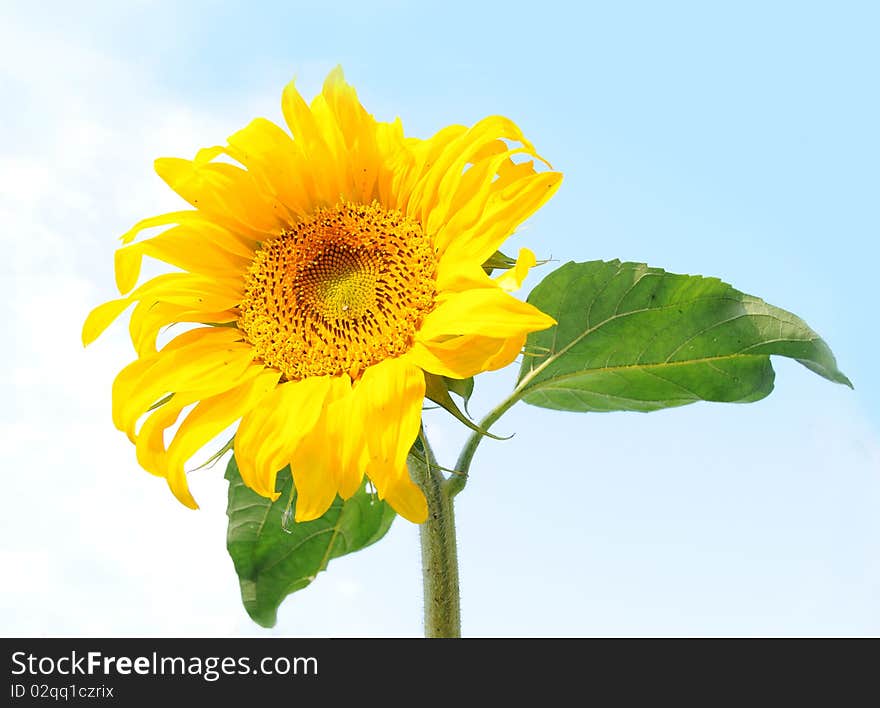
[439,552]
[437,534]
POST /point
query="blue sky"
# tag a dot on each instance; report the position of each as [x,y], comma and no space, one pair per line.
[730,139]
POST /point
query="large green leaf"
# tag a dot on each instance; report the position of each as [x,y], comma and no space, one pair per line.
[635,338]
[273,561]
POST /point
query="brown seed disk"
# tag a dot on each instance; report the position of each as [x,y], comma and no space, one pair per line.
[339,292]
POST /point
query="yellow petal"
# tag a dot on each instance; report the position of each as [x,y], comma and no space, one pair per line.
[464,356]
[268,435]
[388,404]
[314,480]
[449,164]
[423,156]
[101,317]
[150,441]
[276,162]
[211,252]
[307,134]
[349,117]
[174,217]
[192,292]
[456,275]
[512,279]
[179,297]
[463,193]
[315,461]
[208,419]
[504,210]
[124,385]
[487,311]
[510,171]
[487,166]
[395,162]
[479,185]
[225,193]
[127,267]
[209,361]
[300,120]
[389,397]
[508,352]
[407,500]
[357,131]
[353,452]
[148,318]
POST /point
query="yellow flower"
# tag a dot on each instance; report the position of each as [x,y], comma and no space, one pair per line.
[322,279]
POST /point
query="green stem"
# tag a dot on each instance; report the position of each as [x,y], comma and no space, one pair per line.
[439,552]
[437,534]
[458,481]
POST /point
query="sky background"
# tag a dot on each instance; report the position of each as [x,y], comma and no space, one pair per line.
[737,140]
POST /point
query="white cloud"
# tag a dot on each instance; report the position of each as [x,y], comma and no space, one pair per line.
[92,544]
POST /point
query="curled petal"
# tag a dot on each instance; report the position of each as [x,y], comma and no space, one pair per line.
[512,279]
[207,361]
[207,420]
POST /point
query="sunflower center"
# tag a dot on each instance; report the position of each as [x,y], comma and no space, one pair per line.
[339,292]
[341,284]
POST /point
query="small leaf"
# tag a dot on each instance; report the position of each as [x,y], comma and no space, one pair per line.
[216,456]
[461,387]
[436,390]
[498,261]
[161,402]
[271,561]
[635,338]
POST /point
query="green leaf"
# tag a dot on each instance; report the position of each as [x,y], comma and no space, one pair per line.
[635,338]
[498,261]
[461,387]
[436,390]
[272,562]
[161,402]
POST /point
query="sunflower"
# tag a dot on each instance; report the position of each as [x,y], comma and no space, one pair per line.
[321,276]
